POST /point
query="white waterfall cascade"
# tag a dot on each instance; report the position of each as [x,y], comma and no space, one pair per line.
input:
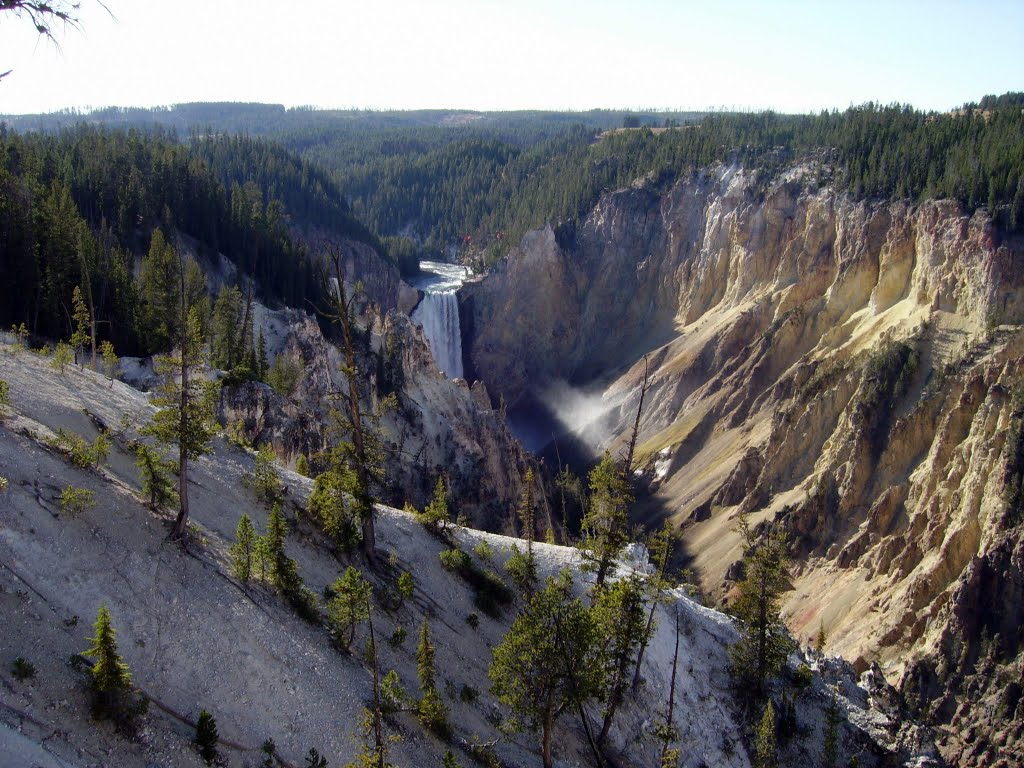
[438,313]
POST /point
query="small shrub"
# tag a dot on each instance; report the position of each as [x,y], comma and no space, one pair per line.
[484,551]
[5,393]
[803,676]
[63,356]
[264,478]
[468,694]
[3,483]
[406,585]
[235,434]
[302,465]
[23,669]
[79,452]
[206,737]
[392,694]
[521,570]
[315,760]
[398,637]
[433,714]
[491,593]
[473,620]
[269,750]
[455,560]
[74,501]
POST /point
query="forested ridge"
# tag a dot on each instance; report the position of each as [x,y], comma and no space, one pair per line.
[78,207]
[85,200]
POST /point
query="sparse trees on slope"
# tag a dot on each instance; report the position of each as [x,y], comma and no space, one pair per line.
[764,643]
[542,665]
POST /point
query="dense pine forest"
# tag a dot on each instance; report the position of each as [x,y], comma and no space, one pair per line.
[78,207]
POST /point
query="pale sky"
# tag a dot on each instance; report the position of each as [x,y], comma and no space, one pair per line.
[788,55]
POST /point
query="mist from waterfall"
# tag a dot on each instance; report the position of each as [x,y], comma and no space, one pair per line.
[438,313]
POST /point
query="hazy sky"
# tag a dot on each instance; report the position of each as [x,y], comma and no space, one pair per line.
[789,55]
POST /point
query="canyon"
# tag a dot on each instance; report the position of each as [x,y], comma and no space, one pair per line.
[848,370]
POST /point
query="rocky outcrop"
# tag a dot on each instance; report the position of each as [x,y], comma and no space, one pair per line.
[438,427]
[843,367]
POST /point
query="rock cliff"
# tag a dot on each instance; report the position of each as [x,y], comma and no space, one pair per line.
[846,368]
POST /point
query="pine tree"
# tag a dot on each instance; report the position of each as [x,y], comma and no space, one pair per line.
[262,366]
[110,360]
[543,664]
[156,477]
[619,614]
[63,355]
[830,747]
[526,513]
[84,331]
[359,447]
[765,741]
[425,658]
[764,643]
[242,550]
[186,410]
[206,737]
[349,606]
[606,523]
[111,679]
[660,546]
[431,710]
[302,465]
[436,514]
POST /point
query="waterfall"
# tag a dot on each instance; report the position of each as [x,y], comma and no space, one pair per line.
[438,313]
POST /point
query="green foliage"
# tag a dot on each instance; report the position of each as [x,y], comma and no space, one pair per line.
[484,551]
[349,607]
[448,760]
[830,747]
[302,465]
[436,516]
[315,760]
[282,570]
[620,617]
[83,332]
[822,638]
[331,501]
[764,642]
[491,593]
[264,478]
[75,501]
[23,669]
[110,678]
[887,375]
[5,394]
[542,666]
[155,473]
[79,452]
[406,585]
[425,659]
[243,550]
[110,360]
[3,483]
[606,524]
[522,570]
[433,714]
[285,373]
[803,677]
[206,737]
[63,356]
[398,637]
[473,621]
[392,694]
[765,742]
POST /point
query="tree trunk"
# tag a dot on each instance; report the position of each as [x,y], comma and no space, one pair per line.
[547,745]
